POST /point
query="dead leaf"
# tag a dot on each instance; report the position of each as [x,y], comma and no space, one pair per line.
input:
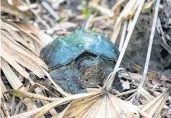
[11,9]
[154,107]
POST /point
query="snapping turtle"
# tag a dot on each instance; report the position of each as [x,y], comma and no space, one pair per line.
[80,60]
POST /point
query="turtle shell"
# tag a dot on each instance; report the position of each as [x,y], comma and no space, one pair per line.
[65,49]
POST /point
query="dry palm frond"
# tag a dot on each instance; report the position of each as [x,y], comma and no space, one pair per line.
[145,94]
[3,90]
[21,44]
[127,13]
[154,107]
[102,105]
[25,94]
[24,33]
[21,5]
[4,111]
[15,82]
[36,113]
[12,9]
[26,54]
[20,55]
[20,48]
[89,105]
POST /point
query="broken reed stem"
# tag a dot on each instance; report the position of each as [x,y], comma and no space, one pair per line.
[103,10]
[3,90]
[37,15]
[26,94]
[111,77]
[12,106]
[88,22]
[125,93]
[150,43]
[18,107]
[118,4]
[123,35]
[4,108]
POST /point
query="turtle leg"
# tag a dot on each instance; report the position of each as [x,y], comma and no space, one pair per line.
[68,79]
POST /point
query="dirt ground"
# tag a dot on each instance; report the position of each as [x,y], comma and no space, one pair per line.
[160,61]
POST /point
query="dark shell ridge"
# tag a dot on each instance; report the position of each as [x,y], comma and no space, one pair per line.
[65,49]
